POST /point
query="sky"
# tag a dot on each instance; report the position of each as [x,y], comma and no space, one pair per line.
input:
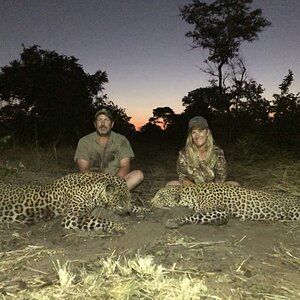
[141,44]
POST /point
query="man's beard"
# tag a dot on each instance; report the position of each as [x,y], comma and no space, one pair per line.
[103,131]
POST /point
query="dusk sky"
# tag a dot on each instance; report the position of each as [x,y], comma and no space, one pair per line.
[141,44]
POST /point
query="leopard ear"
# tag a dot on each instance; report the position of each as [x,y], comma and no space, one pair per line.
[110,189]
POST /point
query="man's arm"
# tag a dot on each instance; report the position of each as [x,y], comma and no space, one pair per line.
[124,167]
[83,165]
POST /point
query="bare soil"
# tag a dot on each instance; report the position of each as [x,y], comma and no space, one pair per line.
[239,260]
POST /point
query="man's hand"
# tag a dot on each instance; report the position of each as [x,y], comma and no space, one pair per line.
[83,165]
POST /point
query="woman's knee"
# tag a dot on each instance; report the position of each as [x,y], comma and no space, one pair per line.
[173,182]
[231,182]
[134,178]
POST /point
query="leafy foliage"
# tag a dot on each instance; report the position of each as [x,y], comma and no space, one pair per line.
[286,111]
[48,97]
[253,117]
[221,27]
[204,101]
[163,116]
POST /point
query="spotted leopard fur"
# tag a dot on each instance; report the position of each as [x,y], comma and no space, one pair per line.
[215,203]
[73,197]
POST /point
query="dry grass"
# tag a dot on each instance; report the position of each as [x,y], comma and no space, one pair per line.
[18,160]
[144,275]
[289,256]
[14,263]
[279,174]
[121,278]
[12,260]
[139,277]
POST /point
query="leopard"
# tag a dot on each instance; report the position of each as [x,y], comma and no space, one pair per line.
[216,203]
[73,197]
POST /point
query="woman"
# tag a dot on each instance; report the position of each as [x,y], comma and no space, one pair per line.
[200,161]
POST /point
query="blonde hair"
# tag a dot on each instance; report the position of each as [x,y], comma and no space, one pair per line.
[192,150]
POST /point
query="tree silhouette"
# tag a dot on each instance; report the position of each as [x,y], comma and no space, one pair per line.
[221,27]
[48,96]
[250,110]
[202,101]
[286,111]
[163,116]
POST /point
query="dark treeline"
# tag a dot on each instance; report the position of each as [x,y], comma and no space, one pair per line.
[252,118]
[48,99]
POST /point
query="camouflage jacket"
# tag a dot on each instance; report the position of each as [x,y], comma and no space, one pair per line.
[202,172]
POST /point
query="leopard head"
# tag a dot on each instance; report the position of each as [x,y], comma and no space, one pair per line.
[104,189]
[166,197]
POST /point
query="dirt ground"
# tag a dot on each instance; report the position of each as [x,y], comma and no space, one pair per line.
[239,260]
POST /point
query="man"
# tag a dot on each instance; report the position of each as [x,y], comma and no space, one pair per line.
[107,151]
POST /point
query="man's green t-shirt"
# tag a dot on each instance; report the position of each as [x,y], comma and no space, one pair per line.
[104,159]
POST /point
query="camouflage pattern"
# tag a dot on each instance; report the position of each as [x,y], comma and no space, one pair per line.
[202,172]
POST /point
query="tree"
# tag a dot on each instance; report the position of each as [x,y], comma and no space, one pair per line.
[163,116]
[221,27]
[286,111]
[48,96]
[250,110]
[151,129]
[151,132]
[202,101]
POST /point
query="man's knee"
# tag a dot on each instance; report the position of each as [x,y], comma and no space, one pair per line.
[138,175]
[134,178]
